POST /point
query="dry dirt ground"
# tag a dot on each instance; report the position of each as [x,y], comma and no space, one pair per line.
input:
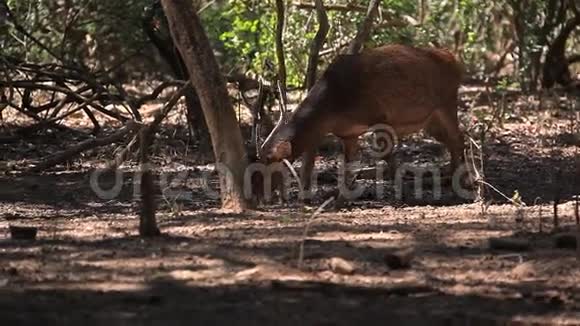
[210,268]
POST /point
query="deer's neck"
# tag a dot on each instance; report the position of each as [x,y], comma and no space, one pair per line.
[307,128]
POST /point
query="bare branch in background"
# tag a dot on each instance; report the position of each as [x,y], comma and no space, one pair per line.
[316,44]
[365,29]
[281,16]
[344,8]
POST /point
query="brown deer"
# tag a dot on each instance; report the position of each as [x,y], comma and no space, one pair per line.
[405,87]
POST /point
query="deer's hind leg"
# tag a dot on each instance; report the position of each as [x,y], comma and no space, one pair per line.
[346,183]
[444,127]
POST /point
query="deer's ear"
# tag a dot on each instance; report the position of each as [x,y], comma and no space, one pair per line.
[283,150]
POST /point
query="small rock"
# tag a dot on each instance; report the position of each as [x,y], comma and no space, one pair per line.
[509,244]
[399,259]
[524,270]
[341,266]
[565,241]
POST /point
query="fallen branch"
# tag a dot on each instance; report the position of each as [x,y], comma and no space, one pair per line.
[70,153]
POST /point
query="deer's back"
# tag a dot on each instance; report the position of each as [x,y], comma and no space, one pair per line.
[394,84]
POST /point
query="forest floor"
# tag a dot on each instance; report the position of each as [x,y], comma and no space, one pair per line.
[407,261]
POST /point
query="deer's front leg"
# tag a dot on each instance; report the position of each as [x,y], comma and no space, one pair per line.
[306,173]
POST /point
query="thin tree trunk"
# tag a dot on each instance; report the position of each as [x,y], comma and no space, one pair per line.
[556,68]
[231,159]
[423,11]
[280,16]
[147,221]
[316,44]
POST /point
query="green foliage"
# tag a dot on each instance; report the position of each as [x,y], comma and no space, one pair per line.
[86,32]
[243,32]
[505,84]
[98,33]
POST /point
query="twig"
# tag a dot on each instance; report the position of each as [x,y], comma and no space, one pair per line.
[122,155]
[475,170]
[517,204]
[307,228]
[480,179]
[205,7]
[294,174]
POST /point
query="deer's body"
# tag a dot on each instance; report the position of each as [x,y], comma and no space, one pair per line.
[406,88]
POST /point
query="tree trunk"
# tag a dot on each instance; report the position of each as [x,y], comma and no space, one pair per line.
[170,54]
[231,159]
[556,68]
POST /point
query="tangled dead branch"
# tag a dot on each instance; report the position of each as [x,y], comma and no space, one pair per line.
[72,152]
